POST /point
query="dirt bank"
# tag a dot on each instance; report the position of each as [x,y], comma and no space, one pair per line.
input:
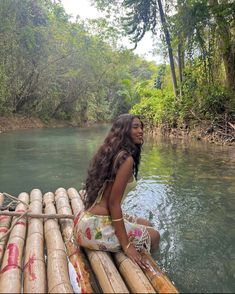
[19,122]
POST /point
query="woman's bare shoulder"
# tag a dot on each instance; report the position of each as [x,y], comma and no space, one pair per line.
[129,159]
[127,165]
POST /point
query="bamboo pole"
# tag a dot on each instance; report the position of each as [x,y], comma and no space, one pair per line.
[101,262]
[158,279]
[132,274]
[34,261]
[5,222]
[76,256]
[57,266]
[37,215]
[11,270]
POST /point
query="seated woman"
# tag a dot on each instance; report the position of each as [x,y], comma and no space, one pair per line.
[111,175]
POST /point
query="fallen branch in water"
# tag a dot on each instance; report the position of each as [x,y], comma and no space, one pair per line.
[231,125]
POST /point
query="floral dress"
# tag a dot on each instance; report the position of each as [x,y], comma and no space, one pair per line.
[97,232]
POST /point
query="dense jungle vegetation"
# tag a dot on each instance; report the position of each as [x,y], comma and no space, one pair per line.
[77,71]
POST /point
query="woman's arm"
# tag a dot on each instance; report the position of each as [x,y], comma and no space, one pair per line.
[123,175]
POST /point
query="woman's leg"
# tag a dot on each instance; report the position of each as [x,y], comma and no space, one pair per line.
[154,234]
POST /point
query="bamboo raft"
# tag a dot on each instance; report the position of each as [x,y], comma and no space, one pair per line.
[38,253]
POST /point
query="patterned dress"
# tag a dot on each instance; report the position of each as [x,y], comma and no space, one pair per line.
[97,232]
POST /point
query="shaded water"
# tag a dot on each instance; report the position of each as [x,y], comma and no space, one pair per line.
[186,190]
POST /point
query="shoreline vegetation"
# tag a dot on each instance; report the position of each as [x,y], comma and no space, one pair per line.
[55,72]
[202,130]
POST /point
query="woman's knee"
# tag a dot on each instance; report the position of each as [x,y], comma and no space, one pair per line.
[155,238]
[143,221]
[154,234]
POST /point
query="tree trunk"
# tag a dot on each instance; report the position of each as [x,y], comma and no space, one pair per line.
[229,64]
[228,46]
[168,42]
[180,66]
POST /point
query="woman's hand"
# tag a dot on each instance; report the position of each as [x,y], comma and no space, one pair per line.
[135,256]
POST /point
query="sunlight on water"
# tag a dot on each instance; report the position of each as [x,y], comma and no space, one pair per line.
[186,190]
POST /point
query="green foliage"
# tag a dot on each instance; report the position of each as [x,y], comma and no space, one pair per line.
[199,98]
[202,36]
[212,101]
[156,106]
[54,68]
[203,98]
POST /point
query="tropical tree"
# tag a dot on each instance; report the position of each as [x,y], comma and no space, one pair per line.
[139,17]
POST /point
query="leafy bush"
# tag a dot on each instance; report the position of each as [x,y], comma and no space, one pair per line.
[156,106]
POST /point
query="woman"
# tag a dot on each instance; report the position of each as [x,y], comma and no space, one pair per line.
[112,173]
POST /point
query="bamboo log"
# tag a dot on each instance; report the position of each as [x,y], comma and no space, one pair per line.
[132,274]
[76,201]
[101,262]
[76,256]
[5,222]
[11,270]
[34,261]
[158,279]
[106,272]
[37,215]
[57,266]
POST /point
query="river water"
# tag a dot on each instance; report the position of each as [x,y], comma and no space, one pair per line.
[186,189]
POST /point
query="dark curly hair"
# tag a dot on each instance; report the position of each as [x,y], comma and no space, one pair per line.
[117,146]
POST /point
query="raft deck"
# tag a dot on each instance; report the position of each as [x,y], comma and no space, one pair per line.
[38,253]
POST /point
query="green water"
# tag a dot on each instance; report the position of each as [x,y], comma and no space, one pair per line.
[186,190]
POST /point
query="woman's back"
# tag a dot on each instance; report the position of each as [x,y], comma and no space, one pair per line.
[100,206]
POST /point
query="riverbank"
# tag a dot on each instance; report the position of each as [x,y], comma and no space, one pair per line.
[20,122]
[203,130]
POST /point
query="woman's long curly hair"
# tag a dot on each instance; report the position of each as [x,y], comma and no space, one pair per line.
[117,146]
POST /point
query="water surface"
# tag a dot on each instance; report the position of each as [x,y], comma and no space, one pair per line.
[186,189]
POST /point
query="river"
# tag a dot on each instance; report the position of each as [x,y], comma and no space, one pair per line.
[187,190]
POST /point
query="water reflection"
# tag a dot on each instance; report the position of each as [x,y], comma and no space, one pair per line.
[186,189]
